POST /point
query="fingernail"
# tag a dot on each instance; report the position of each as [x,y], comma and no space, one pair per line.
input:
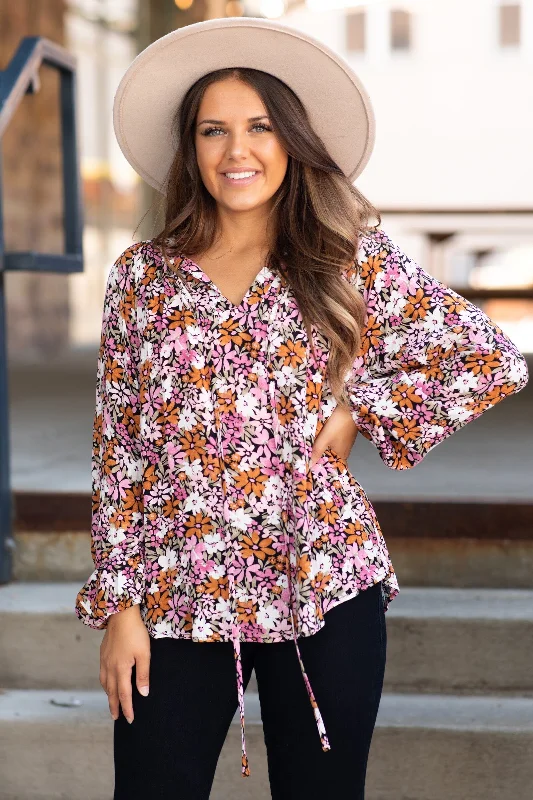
[144,690]
[130,719]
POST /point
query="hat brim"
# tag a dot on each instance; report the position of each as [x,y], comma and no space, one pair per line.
[156,81]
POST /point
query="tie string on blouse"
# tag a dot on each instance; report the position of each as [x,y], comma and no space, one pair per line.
[273,298]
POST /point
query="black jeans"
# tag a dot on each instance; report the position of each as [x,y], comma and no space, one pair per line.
[172,746]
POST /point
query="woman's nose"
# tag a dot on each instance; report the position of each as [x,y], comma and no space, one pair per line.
[237,145]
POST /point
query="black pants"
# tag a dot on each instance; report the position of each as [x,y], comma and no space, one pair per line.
[172,746]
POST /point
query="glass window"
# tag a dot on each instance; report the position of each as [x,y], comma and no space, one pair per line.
[400,29]
[509,24]
[355,31]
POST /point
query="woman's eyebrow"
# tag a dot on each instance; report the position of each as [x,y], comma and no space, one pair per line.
[222,122]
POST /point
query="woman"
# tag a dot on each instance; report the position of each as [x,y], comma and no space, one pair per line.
[242,349]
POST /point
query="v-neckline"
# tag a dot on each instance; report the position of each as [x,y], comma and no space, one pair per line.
[195,269]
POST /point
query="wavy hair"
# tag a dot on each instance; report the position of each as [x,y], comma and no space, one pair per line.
[318,216]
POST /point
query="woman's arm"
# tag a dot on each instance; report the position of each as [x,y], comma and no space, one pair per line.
[117,581]
[430,361]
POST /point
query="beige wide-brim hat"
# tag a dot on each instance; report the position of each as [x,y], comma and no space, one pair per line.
[156,81]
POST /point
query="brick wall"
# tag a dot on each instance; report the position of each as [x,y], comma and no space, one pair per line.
[37,303]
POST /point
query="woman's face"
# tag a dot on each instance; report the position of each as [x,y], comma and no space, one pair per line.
[234,134]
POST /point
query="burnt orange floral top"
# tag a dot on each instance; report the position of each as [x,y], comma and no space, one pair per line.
[205,509]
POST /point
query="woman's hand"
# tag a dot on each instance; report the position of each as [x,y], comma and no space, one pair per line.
[339,433]
[126,643]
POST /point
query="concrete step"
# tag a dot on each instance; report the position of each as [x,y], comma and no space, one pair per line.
[448,554]
[425,747]
[459,641]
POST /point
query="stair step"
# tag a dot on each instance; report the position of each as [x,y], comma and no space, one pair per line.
[428,747]
[459,641]
[433,557]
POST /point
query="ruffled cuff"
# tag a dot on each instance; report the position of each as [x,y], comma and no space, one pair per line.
[110,589]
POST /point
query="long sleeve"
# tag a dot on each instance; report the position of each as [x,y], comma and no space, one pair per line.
[117,581]
[430,361]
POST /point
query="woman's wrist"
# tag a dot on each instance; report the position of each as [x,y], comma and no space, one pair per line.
[128,613]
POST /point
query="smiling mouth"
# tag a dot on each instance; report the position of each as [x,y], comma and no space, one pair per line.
[239,176]
[240,179]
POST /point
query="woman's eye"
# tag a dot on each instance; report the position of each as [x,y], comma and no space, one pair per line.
[209,131]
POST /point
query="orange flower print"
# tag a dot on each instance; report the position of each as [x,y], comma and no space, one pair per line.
[232,333]
[157,603]
[286,410]
[193,444]
[304,567]
[292,353]
[217,587]
[328,512]
[254,546]
[251,481]
[246,612]
[166,579]
[121,519]
[314,393]
[417,305]
[150,478]
[407,429]
[198,525]
[405,396]
[373,265]
[199,377]
[320,582]
[356,533]
[485,364]
[371,335]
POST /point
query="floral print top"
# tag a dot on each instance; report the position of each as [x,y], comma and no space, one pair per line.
[205,509]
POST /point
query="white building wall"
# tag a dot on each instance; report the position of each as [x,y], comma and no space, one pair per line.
[454,117]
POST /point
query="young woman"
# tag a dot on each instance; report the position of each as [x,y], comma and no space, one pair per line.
[242,349]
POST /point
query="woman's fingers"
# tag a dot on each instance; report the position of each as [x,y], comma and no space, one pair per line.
[124,692]
[112,695]
[315,458]
[339,432]
[142,672]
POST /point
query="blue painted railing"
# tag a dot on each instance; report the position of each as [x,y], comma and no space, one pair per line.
[21,77]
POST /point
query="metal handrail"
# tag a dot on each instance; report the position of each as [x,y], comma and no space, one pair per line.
[21,77]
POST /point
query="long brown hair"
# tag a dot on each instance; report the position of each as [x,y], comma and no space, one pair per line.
[318,216]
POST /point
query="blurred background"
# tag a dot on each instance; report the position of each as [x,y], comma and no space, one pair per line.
[451,173]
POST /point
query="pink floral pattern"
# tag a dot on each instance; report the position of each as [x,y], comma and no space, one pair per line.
[206,511]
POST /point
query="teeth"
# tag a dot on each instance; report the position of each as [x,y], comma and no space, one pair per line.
[239,175]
